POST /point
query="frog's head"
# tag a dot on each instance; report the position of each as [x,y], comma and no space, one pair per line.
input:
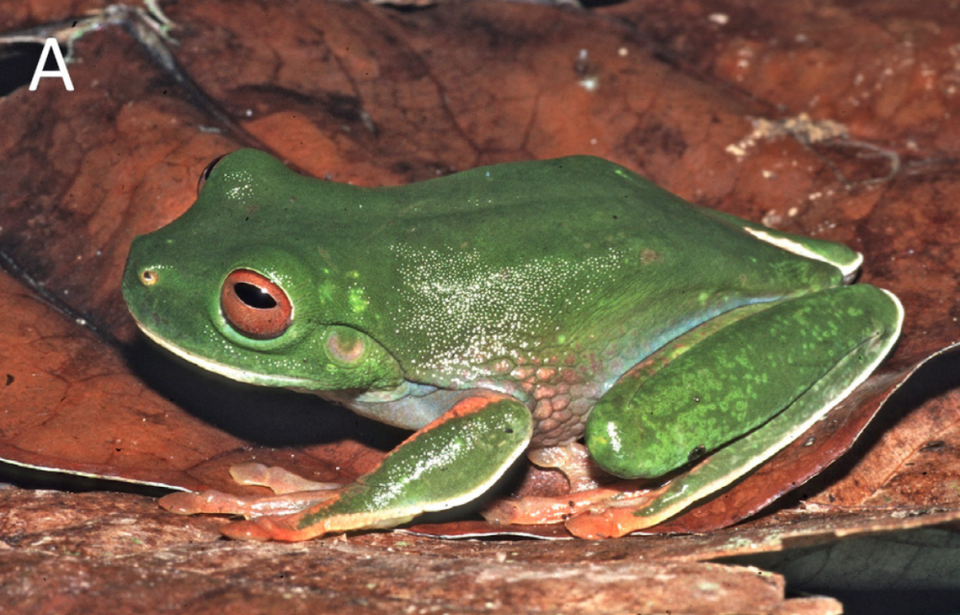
[232,286]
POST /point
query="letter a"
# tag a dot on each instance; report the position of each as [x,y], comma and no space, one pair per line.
[61,66]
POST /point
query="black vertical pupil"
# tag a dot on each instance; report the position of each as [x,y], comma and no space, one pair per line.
[254,296]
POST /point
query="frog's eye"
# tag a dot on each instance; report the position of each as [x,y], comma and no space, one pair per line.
[254,305]
[205,175]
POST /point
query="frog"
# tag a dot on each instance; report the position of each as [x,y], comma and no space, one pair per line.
[652,349]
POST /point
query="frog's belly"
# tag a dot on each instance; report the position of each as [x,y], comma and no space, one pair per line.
[559,401]
[559,398]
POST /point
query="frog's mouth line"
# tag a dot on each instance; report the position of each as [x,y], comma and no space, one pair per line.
[227,371]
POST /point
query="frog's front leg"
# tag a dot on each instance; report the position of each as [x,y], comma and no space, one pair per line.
[292,493]
[449,462]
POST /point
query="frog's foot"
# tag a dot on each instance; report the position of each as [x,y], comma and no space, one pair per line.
[538,510]
[220,503]
[292,493]
[447,463]
[313,522]
[286,517]
[574,462]
[275,478]
[273,527]
[592,491]
[618,518]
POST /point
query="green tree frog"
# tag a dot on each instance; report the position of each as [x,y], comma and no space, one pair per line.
[516,307]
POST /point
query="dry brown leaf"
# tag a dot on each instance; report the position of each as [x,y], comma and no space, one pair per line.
[363,94]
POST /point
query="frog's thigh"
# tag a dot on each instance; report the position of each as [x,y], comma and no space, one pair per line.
[449,462]
[770,374]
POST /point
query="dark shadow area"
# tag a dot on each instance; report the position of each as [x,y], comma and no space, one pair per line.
[261,415]
[30,478]
[912,571]
[18,62]
[884,602]
[935,378]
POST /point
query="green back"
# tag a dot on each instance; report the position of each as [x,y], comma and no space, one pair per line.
[461,278]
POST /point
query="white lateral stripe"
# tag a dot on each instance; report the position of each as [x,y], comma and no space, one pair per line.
[795,247]
[900,311]
[227,371]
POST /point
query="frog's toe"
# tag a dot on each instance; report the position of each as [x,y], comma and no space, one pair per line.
[606,523]
[629,511]
[531,510]
[190,503]
[260,529]
[540,510]
[245,530]
[277,479]
[179,503]
[284,528]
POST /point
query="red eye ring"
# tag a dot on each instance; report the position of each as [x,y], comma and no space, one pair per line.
[254,305]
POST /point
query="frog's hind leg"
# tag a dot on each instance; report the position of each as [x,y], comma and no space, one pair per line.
[767,371]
